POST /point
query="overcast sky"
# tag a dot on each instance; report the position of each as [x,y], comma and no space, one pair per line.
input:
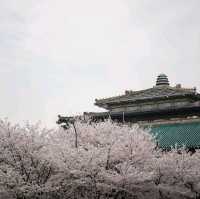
[56,57]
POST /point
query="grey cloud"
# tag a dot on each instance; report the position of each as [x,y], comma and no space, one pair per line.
[57,56]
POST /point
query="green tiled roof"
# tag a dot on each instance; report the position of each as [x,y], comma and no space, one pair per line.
[168,135]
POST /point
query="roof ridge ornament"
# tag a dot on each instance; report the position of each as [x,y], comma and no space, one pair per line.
[162,80]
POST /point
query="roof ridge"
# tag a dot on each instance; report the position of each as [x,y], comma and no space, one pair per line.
[109,98]
[127,92]
[156,89]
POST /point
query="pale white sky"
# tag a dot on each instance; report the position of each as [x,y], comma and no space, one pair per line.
[56,57]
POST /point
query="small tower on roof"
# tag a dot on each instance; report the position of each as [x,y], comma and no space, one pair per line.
[162,80]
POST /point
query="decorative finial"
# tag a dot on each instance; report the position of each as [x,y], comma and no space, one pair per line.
[162,79]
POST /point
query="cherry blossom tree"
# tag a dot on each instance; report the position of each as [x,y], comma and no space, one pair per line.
[22,157]
[99,159]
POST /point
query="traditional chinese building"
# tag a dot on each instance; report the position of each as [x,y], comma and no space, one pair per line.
[172,113]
